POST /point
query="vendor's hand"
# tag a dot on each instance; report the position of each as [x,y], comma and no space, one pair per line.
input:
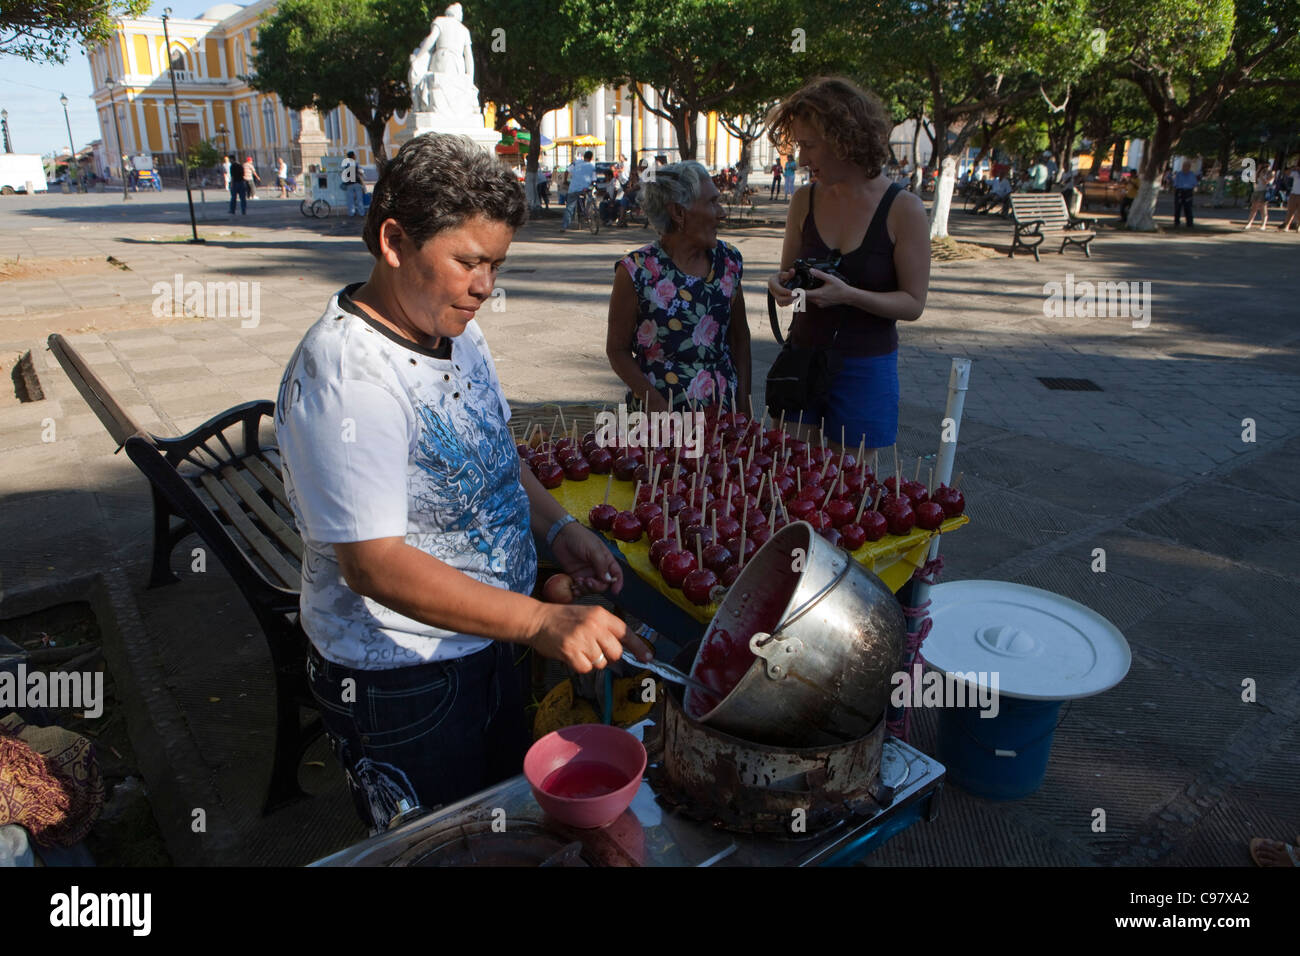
[780,293]
[833,291]
[585,558]
[585,638]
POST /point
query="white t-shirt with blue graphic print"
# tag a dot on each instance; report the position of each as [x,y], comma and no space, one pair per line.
[378,439]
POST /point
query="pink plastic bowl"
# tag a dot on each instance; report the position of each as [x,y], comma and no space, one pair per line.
[587,742]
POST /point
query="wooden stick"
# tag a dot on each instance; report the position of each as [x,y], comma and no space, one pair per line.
[930,484]
[677,526]
[563,425]
[743,529]
[762,483]
[798,480]
[554,423]
[857,518]
[898,478]
[636,493]
[733,397]
[829,492]
[609,483]
[771,517]
[782,427]
[916,476]
[677,457]
[958,481]
[880,490]
[699,551]
[862,447]
[842,443]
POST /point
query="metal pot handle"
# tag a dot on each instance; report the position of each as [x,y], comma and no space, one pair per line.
[776,650]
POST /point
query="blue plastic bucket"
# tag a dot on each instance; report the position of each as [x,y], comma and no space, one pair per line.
[1002,757]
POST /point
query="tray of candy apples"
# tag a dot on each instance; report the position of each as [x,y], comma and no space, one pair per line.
[688,524]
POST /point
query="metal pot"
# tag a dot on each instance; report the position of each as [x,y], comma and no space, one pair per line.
[827,636]
[741,785]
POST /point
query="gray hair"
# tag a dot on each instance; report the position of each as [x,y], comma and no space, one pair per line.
[675,183]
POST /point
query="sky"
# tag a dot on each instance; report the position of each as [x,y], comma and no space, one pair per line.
[30,92]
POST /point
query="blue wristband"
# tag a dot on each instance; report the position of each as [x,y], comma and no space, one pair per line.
[556,528]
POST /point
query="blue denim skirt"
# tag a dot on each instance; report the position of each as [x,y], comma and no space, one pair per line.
[863,401]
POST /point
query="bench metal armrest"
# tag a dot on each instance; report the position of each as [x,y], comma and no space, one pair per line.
[1033,226]
[249,414]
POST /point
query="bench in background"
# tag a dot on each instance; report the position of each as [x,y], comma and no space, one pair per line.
[1038,217]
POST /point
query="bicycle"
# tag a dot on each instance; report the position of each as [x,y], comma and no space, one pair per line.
[585,211]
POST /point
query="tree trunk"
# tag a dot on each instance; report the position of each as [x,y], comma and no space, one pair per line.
[683,123]
[1155,157]
[375,131]
[943,197]
[530,174]
[746,150]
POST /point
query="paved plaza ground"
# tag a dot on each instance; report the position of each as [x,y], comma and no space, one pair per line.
[1198,525]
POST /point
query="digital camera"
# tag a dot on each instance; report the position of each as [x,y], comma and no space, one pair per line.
[803,277]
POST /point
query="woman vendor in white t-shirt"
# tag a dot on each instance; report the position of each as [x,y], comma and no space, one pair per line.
[417,519]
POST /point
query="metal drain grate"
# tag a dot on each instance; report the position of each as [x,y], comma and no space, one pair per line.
[1070,384]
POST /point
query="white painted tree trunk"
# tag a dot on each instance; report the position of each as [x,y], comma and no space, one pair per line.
[530,187]
[1142,214]
[943,197]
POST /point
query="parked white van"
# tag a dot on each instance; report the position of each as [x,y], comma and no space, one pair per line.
[20,173]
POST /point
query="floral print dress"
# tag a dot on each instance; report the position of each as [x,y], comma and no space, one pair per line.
[681,340]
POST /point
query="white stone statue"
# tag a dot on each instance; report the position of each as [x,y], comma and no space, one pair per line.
[441,77]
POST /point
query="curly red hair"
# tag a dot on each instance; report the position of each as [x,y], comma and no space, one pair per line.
[852,119]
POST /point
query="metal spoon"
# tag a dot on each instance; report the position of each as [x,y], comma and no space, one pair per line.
[670,673]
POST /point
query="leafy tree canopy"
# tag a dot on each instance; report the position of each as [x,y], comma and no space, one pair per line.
[44,29]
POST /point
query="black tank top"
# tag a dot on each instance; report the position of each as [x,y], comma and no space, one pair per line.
[871,267]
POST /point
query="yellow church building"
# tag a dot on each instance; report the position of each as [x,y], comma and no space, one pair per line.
[211,52]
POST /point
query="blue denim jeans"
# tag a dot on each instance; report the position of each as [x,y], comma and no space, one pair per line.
[239,191]
[430,734]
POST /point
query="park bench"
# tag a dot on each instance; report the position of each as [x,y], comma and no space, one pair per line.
[1038,217]
[1107,193]
[222,481]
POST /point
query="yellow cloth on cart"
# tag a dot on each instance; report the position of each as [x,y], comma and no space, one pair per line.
[893,558]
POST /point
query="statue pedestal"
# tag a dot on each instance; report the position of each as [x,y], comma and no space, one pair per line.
[471,126]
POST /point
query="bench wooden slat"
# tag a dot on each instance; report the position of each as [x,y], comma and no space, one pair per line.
[286,535]
[269,479]
[118,422]
[289,576]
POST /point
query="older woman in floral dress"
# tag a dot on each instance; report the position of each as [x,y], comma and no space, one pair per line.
[677,325]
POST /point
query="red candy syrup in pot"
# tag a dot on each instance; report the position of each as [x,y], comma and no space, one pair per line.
[584,779]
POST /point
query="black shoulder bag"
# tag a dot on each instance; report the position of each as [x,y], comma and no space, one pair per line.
[800,378]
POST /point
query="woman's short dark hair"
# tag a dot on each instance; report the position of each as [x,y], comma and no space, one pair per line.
[438,181]
[852,119]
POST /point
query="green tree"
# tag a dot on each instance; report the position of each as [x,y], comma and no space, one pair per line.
[529,65]
[977,59]
[319,53]
[1186,57]
[44,29]
[704,55]
[1247,124]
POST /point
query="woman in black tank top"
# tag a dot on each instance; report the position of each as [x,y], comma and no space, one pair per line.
[882,232]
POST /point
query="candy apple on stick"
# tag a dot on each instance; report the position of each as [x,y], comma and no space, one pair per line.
[602,516]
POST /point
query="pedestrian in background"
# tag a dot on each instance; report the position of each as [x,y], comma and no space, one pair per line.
[251,179]
[1293,199]
[791,167]
[282,177]
[581,176]
[1259,197]
[776,179]
[1130,193]
[237,184]
[353,185]
[1184,189]
[225,172]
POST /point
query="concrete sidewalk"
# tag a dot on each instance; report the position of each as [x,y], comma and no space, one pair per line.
[1199,526]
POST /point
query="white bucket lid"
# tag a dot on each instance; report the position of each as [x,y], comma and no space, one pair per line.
[1041,645]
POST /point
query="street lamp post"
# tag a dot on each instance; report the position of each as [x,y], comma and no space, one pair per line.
[180,139]
[72,156]
[4,124]
[117,131]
